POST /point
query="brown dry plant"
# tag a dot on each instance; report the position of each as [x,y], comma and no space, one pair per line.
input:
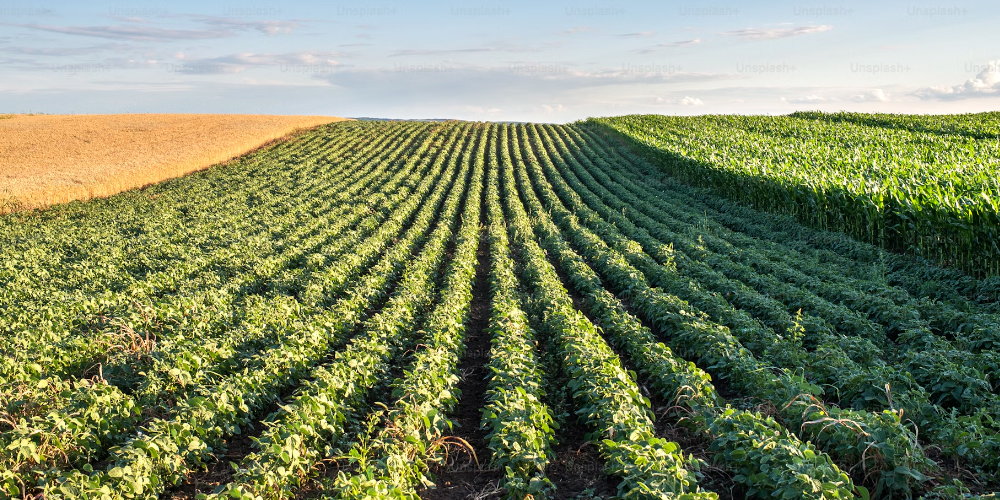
[50,159]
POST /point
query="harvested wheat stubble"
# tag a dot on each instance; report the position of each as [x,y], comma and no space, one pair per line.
[49,159]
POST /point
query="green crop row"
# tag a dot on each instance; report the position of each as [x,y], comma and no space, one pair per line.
[521,425]
[606,395]
[845,377]
[112,339]
[973,125]
[961,380]
[109,302]
[168,447]
[789,467]
[306,430]
[316,295]
[931,195]
[825,255]
[394,462]
[79,430]
[893,449]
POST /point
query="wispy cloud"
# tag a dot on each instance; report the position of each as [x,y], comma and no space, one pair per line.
[65,51]
[986,83]
[138,20]
[670,45]
[841,96]
[516,73]
[637,34]
[437,52]
[772,33]
[809,99]
[141,30]
[297,62]
[268,27]
[871,95]
[684,101]
[502,46]
[131,33]
[577,29]
[22,63]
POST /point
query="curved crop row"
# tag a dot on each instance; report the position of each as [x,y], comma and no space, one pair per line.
[168,447]
[789,468]
[924,198]
[715,346]
[650,467]
[307,428]
[830,365]
[952,377]
[825,255]
[45,440]
[395,461]
[521,425]
[73,345]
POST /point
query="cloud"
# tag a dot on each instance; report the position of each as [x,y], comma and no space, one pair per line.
[638,34]
[266,27]
[685,101]
[131,19]
[682,43]
[307,62]
[132,33]
[65,51]
[577,29]
[663,46]
[647,74]
[483,110]
[23,64]
[141,30]
[499,46]
[871,95]
[772,33]
[809,99]
[436,52]
[986,83]
[512,79]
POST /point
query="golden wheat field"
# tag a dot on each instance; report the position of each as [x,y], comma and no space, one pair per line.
[49,159]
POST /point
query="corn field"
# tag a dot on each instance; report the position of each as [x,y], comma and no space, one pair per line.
[927,186]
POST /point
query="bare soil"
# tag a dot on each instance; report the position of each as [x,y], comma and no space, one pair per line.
[466,471]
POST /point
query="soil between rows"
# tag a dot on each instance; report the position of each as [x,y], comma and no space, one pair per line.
[220,471]
[466,471]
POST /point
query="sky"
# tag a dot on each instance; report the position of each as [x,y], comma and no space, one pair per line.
[547,61]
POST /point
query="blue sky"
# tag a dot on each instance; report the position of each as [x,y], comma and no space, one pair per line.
[552,61]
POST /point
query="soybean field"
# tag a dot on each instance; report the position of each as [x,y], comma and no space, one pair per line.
[390,309]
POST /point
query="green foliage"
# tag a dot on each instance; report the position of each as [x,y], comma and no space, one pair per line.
[396,464]
[917,188]
[606,395]
[792,467]
[521,425]
[309,428]
[142,332]
[860,371]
